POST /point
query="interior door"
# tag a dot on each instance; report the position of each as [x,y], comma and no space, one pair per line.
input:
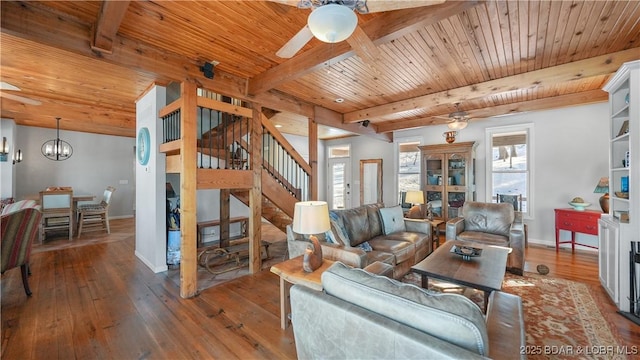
[339,183]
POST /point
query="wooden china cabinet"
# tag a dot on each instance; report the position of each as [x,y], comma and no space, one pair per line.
[448,177]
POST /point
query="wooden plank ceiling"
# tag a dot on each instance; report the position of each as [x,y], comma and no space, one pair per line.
[88,61]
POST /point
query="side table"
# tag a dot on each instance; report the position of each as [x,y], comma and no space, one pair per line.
[290,273]
[585,222]
[435,224]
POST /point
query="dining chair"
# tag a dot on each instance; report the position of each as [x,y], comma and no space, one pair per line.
[57,212]
[516,201]
[18,229]
[95,216]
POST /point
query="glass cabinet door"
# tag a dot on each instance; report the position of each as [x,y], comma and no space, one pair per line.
[434,182]
[456,183]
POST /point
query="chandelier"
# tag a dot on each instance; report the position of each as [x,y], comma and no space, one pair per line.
[57,149]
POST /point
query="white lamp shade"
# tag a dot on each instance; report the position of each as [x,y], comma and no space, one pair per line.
[332,23]
[311,217]
[414,197]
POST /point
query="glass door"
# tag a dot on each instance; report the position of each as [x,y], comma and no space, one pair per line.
[339,184]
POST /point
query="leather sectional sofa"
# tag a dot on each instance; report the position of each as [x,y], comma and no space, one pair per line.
[363,235]
[359,315]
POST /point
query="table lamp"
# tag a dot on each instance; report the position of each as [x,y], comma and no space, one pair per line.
[310,218]
[603,188]
[416,198]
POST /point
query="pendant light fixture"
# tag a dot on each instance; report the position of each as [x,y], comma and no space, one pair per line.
[57,149]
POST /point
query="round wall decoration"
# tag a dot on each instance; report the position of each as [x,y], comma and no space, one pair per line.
[144,146]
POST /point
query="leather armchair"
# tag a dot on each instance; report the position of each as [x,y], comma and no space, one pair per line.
[490,223]
[19,228]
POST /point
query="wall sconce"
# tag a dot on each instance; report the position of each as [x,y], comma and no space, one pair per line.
[5,146]
[17,157]
[450,136]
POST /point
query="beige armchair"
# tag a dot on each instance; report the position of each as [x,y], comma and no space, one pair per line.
[490,223]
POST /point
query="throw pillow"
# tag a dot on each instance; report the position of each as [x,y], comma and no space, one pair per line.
[329,237]
[338,227]
[392,219]
[365,246]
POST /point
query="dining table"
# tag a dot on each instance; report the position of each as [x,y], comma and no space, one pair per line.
[75,199]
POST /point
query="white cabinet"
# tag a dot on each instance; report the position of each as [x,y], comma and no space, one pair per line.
[609,257]
[622,225]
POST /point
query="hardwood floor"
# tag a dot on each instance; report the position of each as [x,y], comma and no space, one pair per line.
[99,301]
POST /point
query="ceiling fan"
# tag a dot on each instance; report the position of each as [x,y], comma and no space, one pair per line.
[458,119]
[5,86]
[333,21]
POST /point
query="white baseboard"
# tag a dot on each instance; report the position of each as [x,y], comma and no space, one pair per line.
[120,217]
[552,244]
[156,269]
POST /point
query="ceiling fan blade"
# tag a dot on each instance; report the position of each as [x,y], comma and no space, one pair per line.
[388,5]
[7,86]
[19,98]
[295,43]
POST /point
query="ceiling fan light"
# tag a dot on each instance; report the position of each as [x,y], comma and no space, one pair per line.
[332,23]
[458,124]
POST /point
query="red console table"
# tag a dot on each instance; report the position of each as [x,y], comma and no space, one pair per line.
[585,222]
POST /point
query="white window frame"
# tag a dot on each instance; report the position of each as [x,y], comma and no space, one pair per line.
[396,158]
[492,131]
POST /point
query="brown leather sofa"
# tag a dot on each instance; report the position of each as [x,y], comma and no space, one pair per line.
[491,223]
[361,236]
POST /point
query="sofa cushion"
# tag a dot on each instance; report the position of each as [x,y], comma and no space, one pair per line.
[488,217]
[385,257]
[483,237]
[392,219]
[402,250]
[356,224]
[450,317]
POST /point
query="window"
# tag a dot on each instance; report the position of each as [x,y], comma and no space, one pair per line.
[408,166]
[509,170]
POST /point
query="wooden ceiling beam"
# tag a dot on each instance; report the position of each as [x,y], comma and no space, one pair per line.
[582,69]
[555,102]
[331,118]
[382,29]
[111,14]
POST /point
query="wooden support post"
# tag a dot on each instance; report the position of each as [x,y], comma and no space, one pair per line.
[188,171]
[313,160]
[225,198]
[255,193]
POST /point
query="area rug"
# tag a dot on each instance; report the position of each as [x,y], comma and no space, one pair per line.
[563,318]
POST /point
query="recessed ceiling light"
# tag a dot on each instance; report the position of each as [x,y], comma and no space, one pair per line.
[278,125]
[339,100]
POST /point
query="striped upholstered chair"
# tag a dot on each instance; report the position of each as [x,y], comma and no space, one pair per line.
[19,226]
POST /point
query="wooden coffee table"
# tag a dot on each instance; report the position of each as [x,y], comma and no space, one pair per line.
[290,273]
[484,272]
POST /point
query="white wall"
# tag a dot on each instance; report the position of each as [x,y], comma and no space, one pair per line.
[363,148]
[98,161]
[151,229]
[7,169]
[570,155]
